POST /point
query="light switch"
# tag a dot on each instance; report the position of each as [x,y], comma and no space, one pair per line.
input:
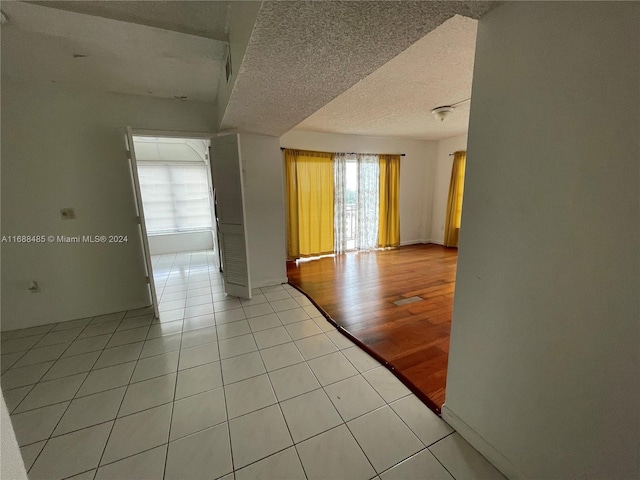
[67,214]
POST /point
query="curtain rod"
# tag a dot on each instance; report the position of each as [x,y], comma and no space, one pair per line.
[358,153]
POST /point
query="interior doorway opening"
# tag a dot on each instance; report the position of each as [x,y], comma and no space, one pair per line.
[177,193]
[175,204]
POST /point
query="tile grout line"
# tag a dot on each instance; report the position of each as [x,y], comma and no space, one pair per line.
[434,455]
[70,400]
[52,365]
[103,391]
[15,361]
[293,443]
[358,443]
[226,406]
[120,459]
[361,373]
[409,426]
[104,449]
[387,404]
[189,368]
[113,365]
[268,456]
[284,418]
[95,473]
[344,422]
[160,405]
[188,396]
[173,403]
[404,460]
[61,377]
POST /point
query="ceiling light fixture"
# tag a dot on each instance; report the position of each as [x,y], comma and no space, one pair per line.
[441,113]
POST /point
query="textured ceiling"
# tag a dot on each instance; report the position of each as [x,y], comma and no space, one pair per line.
[304,54]
[397,99]
[86,52]
[202,18]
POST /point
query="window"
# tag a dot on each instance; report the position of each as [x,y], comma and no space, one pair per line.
[174,184]
[356,202]
[175,197]
[350,198]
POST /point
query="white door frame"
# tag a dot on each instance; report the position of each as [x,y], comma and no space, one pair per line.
[142,227]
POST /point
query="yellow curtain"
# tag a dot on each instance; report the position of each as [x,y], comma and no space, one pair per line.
[310,187]
[389,218]
[454,203]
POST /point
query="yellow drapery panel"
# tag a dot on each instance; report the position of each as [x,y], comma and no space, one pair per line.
[310,187]
[389,221]
[454,203]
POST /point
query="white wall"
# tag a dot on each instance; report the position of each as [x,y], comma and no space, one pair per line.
[263,170]
[180,242]
[11,464]
[441,182]
[66,149]
[544,367]
[416,172]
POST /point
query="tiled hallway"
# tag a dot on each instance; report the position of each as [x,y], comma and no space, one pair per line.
[217,388]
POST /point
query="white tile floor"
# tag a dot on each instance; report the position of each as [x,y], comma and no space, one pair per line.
[217,388]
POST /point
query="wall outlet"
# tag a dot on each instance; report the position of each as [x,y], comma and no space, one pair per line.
[67,213]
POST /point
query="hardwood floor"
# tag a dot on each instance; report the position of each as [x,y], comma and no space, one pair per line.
[358,292]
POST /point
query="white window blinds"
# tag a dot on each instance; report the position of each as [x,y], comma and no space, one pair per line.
[175,197]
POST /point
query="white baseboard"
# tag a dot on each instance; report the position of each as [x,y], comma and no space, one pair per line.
[268,282]
[413,242]
[421,242]
[481,445]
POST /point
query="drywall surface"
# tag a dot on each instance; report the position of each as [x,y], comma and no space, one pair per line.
[441,181]
[544,363]
[64,149]
[263,170]
[241,17]
[416,172]
[11,464]
[181,242]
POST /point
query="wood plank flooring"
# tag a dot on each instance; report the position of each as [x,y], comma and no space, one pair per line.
[357,291]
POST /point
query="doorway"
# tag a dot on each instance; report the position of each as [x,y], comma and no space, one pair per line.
[172,176]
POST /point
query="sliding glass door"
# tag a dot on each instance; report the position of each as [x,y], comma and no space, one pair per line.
[351,203]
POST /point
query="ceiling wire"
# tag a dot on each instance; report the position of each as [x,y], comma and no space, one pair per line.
[460,103]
